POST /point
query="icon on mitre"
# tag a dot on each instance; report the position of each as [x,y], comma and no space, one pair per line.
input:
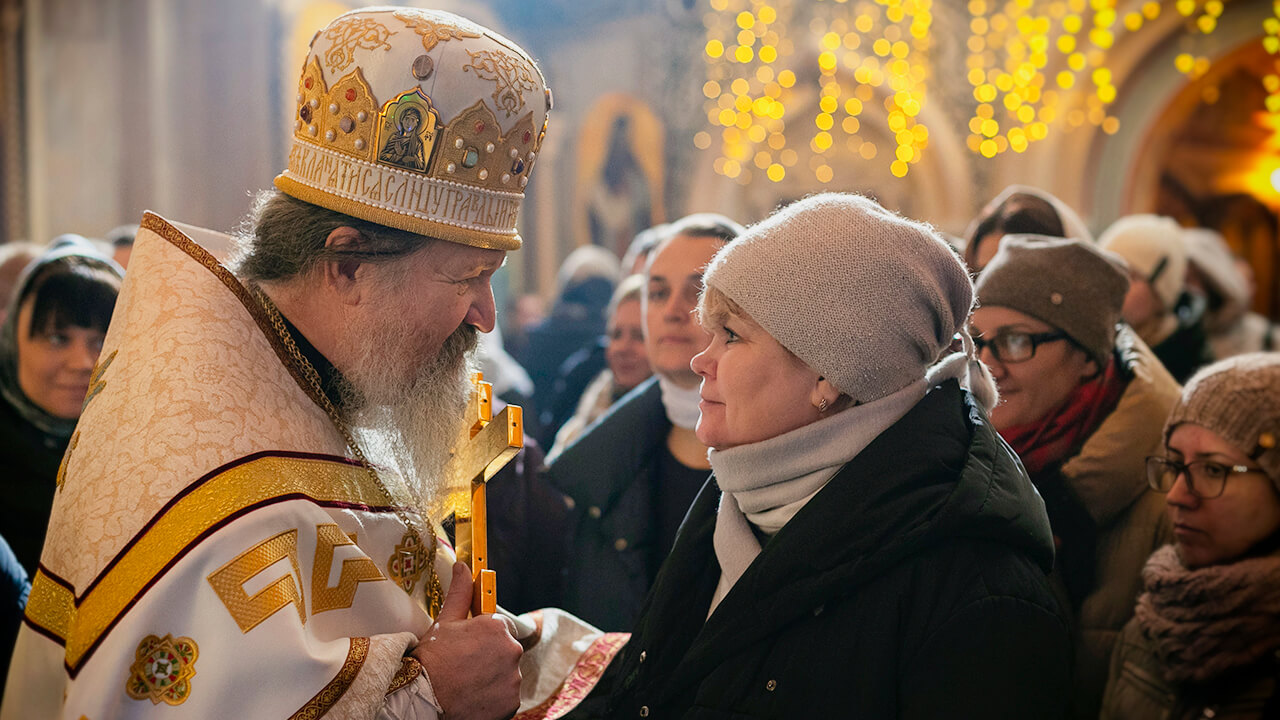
[407,131]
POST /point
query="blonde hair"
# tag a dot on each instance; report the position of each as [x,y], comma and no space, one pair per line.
[714,307]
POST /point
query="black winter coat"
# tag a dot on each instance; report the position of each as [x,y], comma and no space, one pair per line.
[29,460]
[610,473]
[912,586]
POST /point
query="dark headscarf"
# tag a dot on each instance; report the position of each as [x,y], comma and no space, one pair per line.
[68,251]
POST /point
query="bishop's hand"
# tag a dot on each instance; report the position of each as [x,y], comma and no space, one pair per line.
[473,663]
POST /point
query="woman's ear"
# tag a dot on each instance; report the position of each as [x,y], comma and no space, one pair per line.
[824,395]
[1091,369]
[339,273]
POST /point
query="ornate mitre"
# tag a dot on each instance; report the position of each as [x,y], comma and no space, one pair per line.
[419,120]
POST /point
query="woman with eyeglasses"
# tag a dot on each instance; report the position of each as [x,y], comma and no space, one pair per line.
[1205,639]
[1082,400]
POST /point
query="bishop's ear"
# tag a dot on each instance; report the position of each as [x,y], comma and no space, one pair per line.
[341,264]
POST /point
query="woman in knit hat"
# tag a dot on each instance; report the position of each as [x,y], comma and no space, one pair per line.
[866,545]
[1158,306]
[1205,640]
[1081,403]
[1214,271]
[1019,209]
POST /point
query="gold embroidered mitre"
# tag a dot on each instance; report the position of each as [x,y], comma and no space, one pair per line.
[419,120]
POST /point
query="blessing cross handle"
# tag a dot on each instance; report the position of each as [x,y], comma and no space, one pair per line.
[492,443]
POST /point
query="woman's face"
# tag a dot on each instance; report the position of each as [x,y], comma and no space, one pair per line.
[625,353]
[752,387]
[1141,304]
[1209,531]
[54,365]
[1031,389]
[672,335]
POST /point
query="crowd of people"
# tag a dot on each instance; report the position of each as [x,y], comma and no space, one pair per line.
[826,463]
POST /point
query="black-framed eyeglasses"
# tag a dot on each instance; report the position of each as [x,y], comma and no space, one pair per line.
[1205,479]
[1014,346]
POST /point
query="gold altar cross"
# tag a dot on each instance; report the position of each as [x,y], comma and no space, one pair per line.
[492,443]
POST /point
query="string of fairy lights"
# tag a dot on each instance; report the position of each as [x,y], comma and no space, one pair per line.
[1033,65]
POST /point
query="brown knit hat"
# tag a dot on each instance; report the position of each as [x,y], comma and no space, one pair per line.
[1239,399]
[1071,285]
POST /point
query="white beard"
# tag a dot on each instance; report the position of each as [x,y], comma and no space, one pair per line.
[411,426]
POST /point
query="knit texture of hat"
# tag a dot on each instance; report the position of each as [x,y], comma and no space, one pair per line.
[1239,399]
[866,298]
[1151,245]
[1069,284]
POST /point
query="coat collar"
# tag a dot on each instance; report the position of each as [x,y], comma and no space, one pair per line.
[1109,473]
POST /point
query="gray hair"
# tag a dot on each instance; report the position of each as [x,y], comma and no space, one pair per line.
[283,238]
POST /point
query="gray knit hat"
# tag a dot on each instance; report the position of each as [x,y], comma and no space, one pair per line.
[1069,284]
[865,297]
[1239,399]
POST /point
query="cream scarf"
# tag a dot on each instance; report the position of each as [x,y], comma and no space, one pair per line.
[766,483]
[680,403]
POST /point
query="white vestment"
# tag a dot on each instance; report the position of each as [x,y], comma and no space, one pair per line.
[213,550]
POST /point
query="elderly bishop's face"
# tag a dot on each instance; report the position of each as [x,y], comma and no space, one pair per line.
[411,344]
[426,298]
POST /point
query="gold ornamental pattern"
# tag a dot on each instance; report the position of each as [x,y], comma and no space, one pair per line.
[351,34]
[436,31]
[512,77]
[343,117]
[163,669]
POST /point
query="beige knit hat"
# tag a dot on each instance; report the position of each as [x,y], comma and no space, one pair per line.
[419,120]
[1152,246]
[1239,399]
[1208,252]
[1069,284]
[866,298]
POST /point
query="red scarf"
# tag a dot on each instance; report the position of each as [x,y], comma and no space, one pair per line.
[1049,439]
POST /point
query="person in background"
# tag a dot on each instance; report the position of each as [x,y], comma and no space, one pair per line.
[121,241]
[631,476]
[1213,272]
[1205,641]
[49,344]
[14,258]
[628,363]
[867,546]
[1158,306]
[1081,402]
[524,313]
[637,254]
[585,281]
[1019,209]
[573,384]
[15,588]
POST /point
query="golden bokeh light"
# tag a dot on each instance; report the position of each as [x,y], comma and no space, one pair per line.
[793,78]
